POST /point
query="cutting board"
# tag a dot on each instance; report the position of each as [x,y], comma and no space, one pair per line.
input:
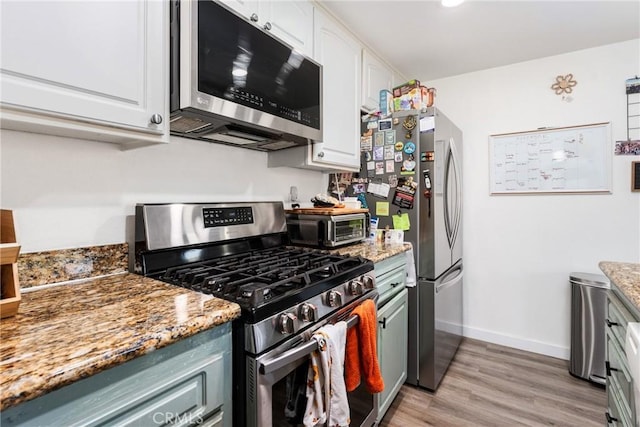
[325,211]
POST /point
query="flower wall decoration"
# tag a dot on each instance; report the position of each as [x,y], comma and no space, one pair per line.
[564,84]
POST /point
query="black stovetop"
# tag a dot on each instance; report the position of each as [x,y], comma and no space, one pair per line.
[266,281]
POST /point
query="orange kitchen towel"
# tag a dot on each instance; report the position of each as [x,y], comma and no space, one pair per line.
[362,355]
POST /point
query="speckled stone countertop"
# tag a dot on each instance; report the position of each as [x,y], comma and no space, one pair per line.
[376,252]
[626,277]
[67,332]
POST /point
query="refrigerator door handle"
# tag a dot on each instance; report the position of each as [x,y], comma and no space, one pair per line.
[457,276]
[458,189]
[447,213]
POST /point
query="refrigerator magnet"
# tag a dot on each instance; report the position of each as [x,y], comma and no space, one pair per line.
[367,156]
[371,166]
[398,156]
[389,166]
[379,168]
[399,146]
[393,181]
[379,139]
[390,137]
[378,153]
[388,152]
[409,147]
[365,143]
[384,124]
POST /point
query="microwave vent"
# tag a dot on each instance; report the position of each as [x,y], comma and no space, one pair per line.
[187,124]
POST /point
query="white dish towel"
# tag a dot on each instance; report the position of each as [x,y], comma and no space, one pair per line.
[326,391]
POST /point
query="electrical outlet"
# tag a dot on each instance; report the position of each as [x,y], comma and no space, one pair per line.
[293,193]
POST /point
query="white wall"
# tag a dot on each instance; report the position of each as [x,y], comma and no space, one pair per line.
[69,193]
[520,249]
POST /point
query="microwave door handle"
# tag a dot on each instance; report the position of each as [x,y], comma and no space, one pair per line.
[296,353]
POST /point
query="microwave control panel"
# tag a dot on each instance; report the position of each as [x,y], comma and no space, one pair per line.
[222,217]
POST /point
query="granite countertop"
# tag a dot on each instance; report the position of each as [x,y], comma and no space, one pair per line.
[376,252]
[626,277]
[67,332]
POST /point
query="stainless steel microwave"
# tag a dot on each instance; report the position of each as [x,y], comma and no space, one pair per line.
[327,231]
[235,83]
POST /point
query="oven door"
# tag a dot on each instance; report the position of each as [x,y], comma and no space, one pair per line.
[271,382]
[345,229]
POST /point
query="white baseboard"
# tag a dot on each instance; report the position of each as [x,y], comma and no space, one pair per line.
[516,342]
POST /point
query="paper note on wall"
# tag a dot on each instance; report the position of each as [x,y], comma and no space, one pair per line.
[401,222]
[382,208]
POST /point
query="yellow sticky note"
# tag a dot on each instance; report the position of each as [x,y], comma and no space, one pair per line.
[382,208]
[401,222]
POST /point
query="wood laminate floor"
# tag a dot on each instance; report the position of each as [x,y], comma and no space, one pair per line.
[492,385]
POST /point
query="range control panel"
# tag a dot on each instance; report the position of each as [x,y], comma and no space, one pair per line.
[221,217]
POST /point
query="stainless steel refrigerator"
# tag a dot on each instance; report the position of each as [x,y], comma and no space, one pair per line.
[413,166]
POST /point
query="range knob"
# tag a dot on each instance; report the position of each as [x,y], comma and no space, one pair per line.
[285,323]
[308,312]
[368,281]
[355,287]
[334,299]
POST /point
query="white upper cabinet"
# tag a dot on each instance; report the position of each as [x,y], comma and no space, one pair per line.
[291,21]
[376,75]
[94,69]
[340,56]
[339,53]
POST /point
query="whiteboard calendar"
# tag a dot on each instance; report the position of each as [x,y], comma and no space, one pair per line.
[568,159]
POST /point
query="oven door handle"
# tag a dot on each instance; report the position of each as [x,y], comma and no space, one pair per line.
[297,352]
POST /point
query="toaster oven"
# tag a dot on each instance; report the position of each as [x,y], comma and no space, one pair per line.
[327,231]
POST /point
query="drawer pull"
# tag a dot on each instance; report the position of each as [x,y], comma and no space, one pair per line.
[609,368]
[393,285]
[383,322]
[610,323]
[610,419]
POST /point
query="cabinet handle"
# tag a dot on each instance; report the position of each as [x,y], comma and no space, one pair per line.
[383,322]
[267,26]
[393,285]
[610,419]
[609,368]
[610,323]
[156,119]
[254,17]
[321,154]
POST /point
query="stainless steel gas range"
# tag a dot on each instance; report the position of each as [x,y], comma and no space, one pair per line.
[239,252]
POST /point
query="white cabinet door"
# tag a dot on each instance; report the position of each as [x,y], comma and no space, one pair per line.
[100,62]
[339,54]
[245,8]
[291,21]
[376,75]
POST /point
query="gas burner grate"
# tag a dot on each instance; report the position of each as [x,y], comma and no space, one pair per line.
[254,279]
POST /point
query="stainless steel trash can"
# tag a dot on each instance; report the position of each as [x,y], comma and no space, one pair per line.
[588,307]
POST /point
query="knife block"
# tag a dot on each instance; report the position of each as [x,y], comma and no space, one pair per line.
[9,251]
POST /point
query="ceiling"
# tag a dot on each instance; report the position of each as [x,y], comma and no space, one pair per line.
[424,40]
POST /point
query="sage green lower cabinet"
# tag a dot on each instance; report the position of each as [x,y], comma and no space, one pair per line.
[186,383]
[392,328]
[621,409]
[392,349]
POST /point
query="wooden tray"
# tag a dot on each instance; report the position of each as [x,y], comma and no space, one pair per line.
[325,211]
[9,251]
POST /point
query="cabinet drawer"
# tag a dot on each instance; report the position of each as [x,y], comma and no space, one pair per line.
[619,375]
[618,415]
[617,318]
[387,266]
[390,285]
